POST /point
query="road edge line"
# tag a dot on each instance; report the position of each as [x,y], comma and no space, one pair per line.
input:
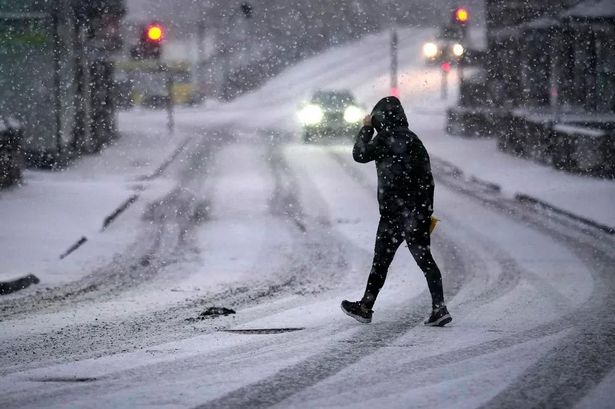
[524,198]
[74,247]
[160,170]
[119,210]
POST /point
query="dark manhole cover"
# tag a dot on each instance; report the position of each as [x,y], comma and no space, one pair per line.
[212,312]
[64,379]
[260,331]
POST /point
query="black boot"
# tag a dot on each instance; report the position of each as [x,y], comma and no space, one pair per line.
[358,311]
[439,317]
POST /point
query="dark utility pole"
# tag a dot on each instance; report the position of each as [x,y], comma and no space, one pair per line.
[55,16]
[200,52]
[228,50]
[170,102]
[394,47]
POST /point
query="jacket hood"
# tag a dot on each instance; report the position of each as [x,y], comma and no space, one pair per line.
[388,114]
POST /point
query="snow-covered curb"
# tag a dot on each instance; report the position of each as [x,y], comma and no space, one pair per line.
[55,213]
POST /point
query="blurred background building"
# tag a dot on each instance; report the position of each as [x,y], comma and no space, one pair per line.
[66,66]
[545,85]
[235,45]
[56,60]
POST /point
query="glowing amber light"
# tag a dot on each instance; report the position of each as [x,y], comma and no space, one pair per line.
[154,33]
[462,15]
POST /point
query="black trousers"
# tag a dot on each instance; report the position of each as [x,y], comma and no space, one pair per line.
[413,227]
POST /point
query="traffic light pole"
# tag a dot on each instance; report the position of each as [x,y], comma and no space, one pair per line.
[170,102]
[170,110]
[444,82]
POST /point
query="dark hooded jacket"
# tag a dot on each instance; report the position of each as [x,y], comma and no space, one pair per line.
[405,182]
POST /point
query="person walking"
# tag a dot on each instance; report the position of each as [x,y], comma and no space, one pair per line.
[405,198]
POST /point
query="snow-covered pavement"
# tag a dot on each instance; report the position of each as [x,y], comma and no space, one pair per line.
[233,211]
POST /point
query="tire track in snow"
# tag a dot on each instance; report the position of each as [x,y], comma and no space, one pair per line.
[564,375]
[511,276]
[166,239]
[367,340]
[300,377]
[320,259]
[577,364]
[171,217]
[324,254]
[578,348]
[314,244]
[507,281]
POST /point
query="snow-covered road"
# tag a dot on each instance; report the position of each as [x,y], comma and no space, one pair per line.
[246,217]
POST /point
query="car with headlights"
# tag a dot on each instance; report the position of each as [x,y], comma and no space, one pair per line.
[442,50]
[450,42]
[330,114]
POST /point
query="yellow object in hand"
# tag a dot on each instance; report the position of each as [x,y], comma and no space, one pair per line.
[432,225]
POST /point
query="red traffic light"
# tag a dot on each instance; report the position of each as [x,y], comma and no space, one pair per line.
[150,41]
[461,15]
[154,32]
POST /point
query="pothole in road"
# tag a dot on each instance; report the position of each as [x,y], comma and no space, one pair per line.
[68,379]
[261,331]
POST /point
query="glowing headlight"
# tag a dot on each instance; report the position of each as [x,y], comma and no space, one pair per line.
[430,50]
[353,114]
[458,50]
[311,115]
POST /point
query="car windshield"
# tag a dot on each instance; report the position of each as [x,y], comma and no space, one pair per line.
[332,99]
